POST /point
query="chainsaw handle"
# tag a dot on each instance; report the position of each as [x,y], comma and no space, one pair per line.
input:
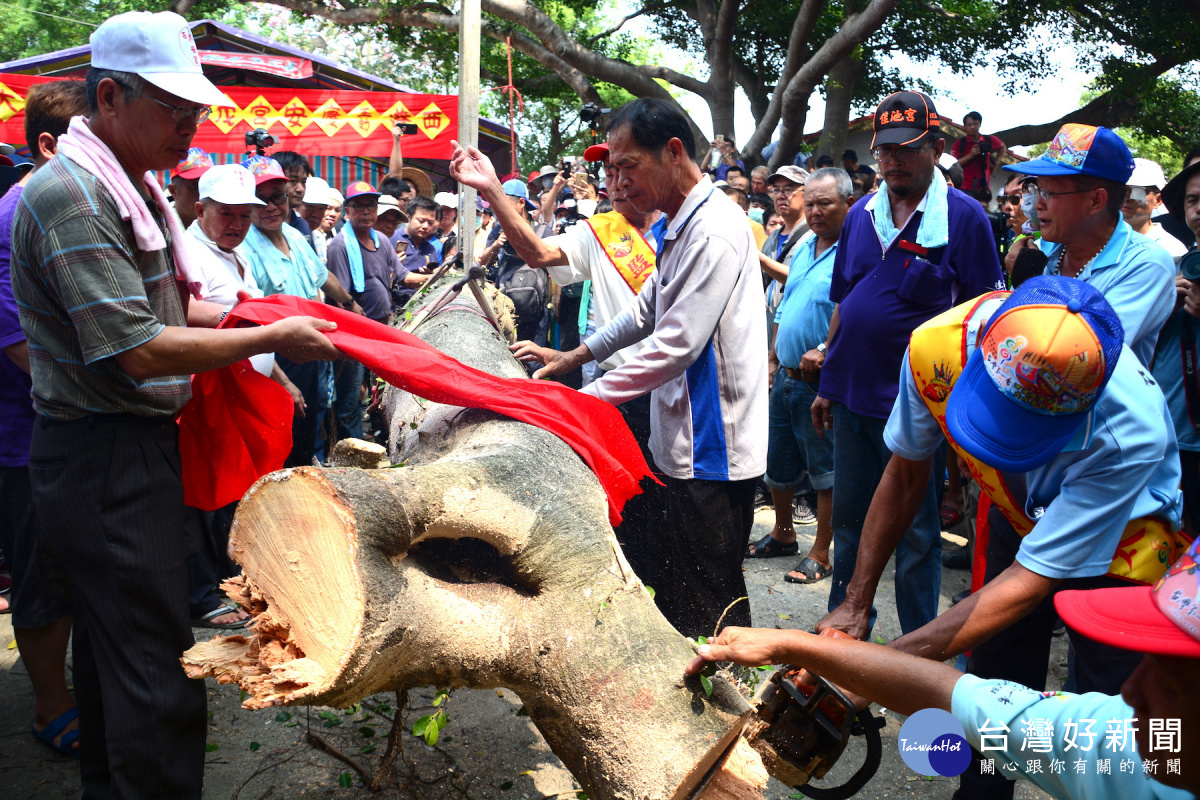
[870,725]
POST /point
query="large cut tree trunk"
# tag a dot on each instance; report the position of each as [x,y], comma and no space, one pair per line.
[482,558]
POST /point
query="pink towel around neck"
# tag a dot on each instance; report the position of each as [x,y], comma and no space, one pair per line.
[86,149]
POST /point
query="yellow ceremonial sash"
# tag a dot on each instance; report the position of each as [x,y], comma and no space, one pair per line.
[937,354]
[625,247]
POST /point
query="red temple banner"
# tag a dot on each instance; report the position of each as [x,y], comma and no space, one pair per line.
[283,66]
[315,122]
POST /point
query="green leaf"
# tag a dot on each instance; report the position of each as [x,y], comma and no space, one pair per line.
[701,640]
[796,796]
[291,724]
[709,669]
[413,426]
[706,682]
[327,715]
[331,723]
[366,749]
[384,708]
[283,716]
[211,747]
[418,728]
[254,747]
[521,712]
[581,796]
[781,615]
[242,696]
[880,640]
[345,780]
[504,787]
[431,735]
[367,731]
[408,316]
[649,589]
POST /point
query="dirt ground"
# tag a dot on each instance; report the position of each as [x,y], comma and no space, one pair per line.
[487,750]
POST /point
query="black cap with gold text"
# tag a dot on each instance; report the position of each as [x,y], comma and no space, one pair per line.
[904,118]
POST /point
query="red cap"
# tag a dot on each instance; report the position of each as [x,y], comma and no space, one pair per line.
[1164,620]
[597,152]
[196,164]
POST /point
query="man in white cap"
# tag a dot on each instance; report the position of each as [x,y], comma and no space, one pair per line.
[1145,196]
[98,283]
[312,209]
[444,237]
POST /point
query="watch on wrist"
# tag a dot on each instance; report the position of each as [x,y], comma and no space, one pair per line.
[821,348]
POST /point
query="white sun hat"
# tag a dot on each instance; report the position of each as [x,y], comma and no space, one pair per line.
[229,184]
[158,48]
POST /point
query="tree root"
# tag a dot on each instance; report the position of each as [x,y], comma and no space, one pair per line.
[385,776]
[324,744]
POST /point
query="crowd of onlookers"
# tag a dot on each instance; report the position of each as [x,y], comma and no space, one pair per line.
[638,271]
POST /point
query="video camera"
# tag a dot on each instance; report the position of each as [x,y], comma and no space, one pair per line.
[590,115]
[260,140]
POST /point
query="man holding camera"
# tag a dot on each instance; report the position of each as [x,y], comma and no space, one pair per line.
[978,154]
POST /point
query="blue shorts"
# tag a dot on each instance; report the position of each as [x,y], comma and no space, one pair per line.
[793,446]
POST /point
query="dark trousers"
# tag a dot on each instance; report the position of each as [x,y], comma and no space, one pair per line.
[347,403]
[699,549]
[108,492]
[208,561]
[1021,653]
[307,378]
[642,517]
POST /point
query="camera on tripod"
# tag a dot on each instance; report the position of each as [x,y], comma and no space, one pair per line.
[591,113]
[260,140]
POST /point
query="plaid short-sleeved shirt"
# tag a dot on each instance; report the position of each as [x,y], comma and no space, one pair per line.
[86,293]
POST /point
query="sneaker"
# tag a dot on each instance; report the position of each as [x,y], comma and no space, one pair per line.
[762,497]
[803,513]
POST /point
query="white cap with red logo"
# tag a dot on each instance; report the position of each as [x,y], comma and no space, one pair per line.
[158,48]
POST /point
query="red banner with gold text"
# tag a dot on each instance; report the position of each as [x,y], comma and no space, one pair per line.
[315,122]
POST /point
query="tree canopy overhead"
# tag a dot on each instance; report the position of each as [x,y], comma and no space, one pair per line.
[569,52]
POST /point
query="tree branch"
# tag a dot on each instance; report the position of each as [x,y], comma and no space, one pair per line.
[1111,109]
[646,9]
[435,20]
[854,31]
[802,28]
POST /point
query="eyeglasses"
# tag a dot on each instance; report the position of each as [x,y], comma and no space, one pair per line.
[1046,194]
[277,199]
[903,155]
[785,191]
[179,113]
[362,206]
[1013,199]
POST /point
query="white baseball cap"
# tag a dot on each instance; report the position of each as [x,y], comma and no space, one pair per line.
[158,48]
[334,198]
[447,199]
[5,149]
[229,184]
[1147,173]
[316,191]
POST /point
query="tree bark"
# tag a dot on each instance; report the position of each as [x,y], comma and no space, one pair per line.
[839,94]
[482,558]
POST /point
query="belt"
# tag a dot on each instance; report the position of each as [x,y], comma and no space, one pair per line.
[807,377]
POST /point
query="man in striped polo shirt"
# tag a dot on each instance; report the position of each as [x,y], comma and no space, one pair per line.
[98,274]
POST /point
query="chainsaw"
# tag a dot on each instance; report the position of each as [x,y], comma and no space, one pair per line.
[802,724]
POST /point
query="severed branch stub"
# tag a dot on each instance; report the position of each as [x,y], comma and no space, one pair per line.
[486,561]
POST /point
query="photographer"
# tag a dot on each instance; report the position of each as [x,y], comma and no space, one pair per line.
[978,154]
[724,156]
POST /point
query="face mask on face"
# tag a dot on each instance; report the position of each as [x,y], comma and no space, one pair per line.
[756,214]
[1029,206]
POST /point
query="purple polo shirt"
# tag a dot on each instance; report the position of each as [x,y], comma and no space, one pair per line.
[883,297]
[16,406]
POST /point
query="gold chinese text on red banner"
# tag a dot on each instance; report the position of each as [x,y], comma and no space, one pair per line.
[311,121]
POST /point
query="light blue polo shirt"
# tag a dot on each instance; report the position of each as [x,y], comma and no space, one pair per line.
[1168,371]
[1123,464]
[1044,738]
[1136,277]
[804,313]
[301,275]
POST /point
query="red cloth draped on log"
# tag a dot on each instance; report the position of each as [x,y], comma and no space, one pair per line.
[237,427]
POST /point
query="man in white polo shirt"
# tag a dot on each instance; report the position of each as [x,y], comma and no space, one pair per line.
[703,314]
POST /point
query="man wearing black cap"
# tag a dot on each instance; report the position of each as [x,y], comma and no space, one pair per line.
[911,251]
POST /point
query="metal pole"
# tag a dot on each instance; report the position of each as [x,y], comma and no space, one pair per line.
[468,119]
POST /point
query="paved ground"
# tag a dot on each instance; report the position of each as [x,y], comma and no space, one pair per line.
[488,750]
